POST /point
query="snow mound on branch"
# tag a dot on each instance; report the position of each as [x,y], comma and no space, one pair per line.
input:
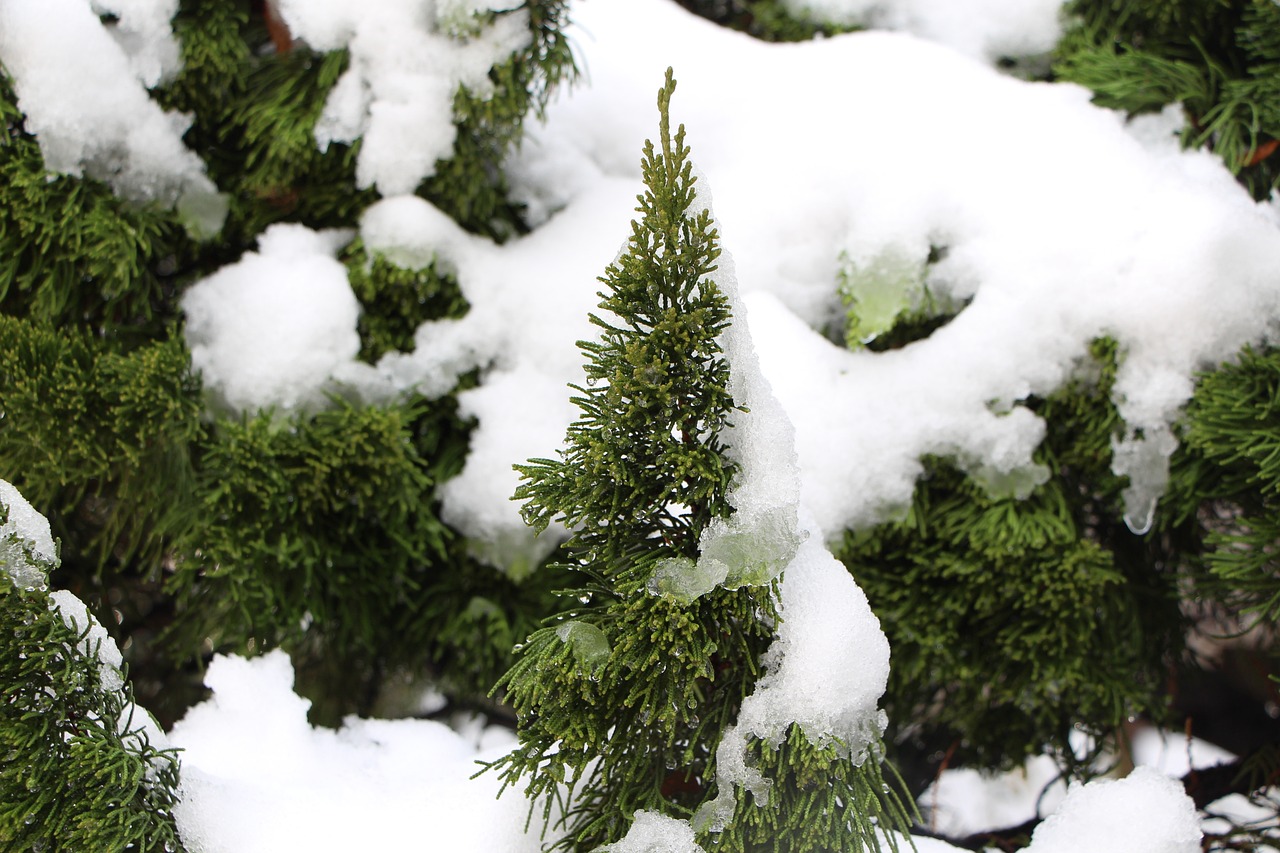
[652,832]
[29,530]
[258,778]
[988,29]
[408,59]
[1145,812]
[753,545]
[83,87]
[273,329]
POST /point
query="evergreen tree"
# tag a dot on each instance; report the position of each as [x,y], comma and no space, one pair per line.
[624,698]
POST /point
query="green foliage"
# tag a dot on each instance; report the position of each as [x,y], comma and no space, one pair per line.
[79,770]
[643,474]
[1232,442]
[624,697]
[259,524]
[319,527]
[256,110]
[100,439]
[254,121]
[75,253]
[809,802]
[1219,58]
[1016,622]
[394,300]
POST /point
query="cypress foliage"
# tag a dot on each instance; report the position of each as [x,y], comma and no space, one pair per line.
[80,770]
[1231,442]
[1017,623]
[218,532]
[1219,58]
[624,697]
[621,698]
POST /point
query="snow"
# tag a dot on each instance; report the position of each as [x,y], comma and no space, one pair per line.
[83,86]
[1060,223]
[275,327]
[257,777]
[655,833]
[825,671]
[1100,817]
[408,59]
[96,642]
[27,529]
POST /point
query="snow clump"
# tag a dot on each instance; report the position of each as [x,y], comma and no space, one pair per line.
[987,29]
[652,832]
[83,87]
[1145,812]
[273,329]
[24,532]
[258,778]
[408,59]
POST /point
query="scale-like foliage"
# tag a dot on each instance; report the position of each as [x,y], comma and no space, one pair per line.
[395,300]
[257,524]
[1233,452]
[1220,59]
[79,769]
[622,697]
[1015,623]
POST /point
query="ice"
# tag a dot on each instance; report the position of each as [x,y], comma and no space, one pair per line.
[1145,812]
[652,832]
[589,644]
[397,94]
[272,329]
[83,88]
[257,778]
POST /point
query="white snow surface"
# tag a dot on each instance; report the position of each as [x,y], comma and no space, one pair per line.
[988,29]
[1145,812]
[274,328]
[31,529]
[256,776]
[408,58]
[83,86]
[1062,223]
